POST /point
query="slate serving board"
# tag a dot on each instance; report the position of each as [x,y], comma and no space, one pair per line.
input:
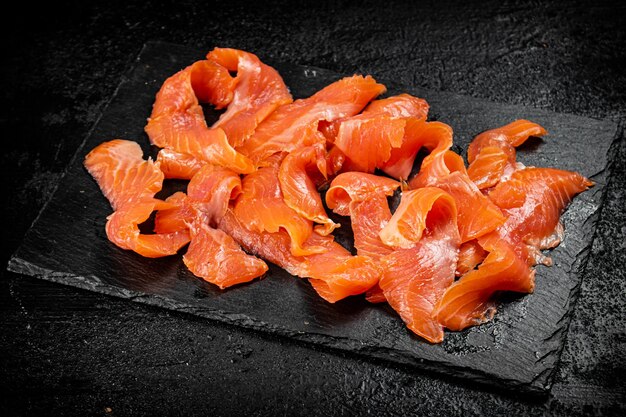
[518,350]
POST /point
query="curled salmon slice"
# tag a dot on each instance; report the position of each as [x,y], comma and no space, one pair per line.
[363,197]
[208,196]
[334,273]
[258,92]
[175,217]
[419,134]
[129,182]
[178,165]
[399,106]
[492,156]
[296,177]
[379,136]
[293,125]
[532,201]
[177,121]
[471,254]
[122,174]
[436,137]
[421,268]
[217,258]
[469,301]
[416,207]
[262,208]
[212,254]
[477,215]
[356,187]
[187,133]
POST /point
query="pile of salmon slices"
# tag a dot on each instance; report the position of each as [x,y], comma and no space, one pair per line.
[460,234]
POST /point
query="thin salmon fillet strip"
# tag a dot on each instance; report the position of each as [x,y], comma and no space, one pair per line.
[492,155]
[532,201]
[334,273]
[129,183]
[421,268]
[212,254]
[363,197]
[262,208]
[259,91]
[477,215]
[296,177]
[295,125]
[178,165]
[217,258]
[177,121]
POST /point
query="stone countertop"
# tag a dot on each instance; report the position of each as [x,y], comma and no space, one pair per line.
[70,352]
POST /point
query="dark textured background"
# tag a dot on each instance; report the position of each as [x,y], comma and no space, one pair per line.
[65,351]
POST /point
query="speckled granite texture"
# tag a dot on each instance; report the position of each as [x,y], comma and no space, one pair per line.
[71,352]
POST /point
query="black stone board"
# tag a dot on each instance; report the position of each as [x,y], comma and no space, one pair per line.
[518,350]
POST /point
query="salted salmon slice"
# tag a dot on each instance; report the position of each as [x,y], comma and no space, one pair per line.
[514,134]
[469,301]
[203,81]
[342,275]
[187,133]
[258,92]
[369,140]
[295,125]
[175,217]
[177,165]
[335,273]
[489,166]
[208,196]
[421,268]
[367,218]
[129,183]
[492,156]
[177,121]
[416,209]
[532,200]
[394,107]
[122,174]
[217,258]
[212,254]
[214,187]
[399,106]
[436,137]
[477,215]
[297,175]
[363,197]
[262,208]
[440,162]
[351,187]
[471,254]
